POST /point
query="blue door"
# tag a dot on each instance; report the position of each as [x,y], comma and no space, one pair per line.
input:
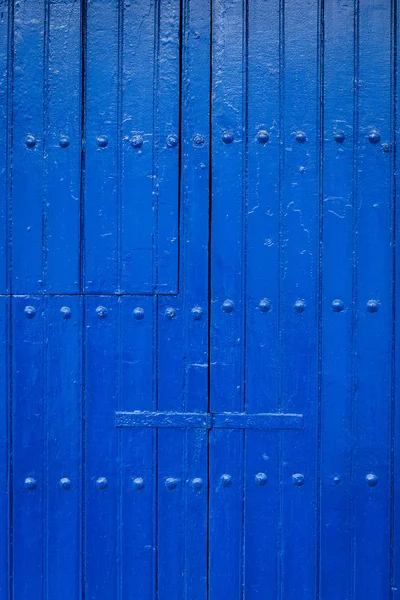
[198,276]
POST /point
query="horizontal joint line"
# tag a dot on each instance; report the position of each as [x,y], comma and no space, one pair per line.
[209,420]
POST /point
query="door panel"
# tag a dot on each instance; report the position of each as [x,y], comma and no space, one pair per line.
[197,262]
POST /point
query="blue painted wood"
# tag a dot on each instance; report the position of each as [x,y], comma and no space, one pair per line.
[199,369]
[131,170]
[5,135]
[374,304]
[5,438]
[227,498]
[63,419]
[337,292]
[28,384]
[46,147]
[299,295]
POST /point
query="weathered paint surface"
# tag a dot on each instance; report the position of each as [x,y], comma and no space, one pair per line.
[198,268]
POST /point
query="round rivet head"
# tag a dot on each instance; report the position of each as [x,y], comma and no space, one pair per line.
[264,305]
[337,305]
[298,479]
[198,141]
[263,136]
[261,479]
[66,312]
[30,483]
[138,313]
[197,483]
[102,141]
[65,483]
[371,479]
[228,306]
[299,306]
[101,312]
[336,480]
[30,311]
[372,306]
[138,483]
[171,483]
[137,141]
[374,136]
[172,141]
[301,137]
[339,137]
[170,312]
[197,313]
[101,483]
[30,141]
[227,137]
[385,147]
[63,141]
[226,480]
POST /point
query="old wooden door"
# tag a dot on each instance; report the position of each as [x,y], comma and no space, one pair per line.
[197,309]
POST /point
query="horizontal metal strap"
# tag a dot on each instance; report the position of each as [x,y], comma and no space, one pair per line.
[209,420]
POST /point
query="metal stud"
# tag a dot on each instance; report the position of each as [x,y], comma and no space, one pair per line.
[301,137]
[101,483]
[197,483]
[172,141]
[170,312]
[264,305]
[226,480]
[339,137]
[101,312]
[371,479]
[228,306]
[298,479]
[65,483]
[30,311]
[102,141]
[197,313]
[137,141]
[261,479]
[227,137]
[373,306]
[374,136]
[263,136]
[66,312]
[63,141]
[138,313]
[336,480]
[171,483]
[138,483]
[30,483]
[299,306]
[30,141]
[198,140]
[337,305]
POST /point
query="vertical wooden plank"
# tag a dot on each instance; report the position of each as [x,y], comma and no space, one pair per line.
[374,252]
[63,148]
[168,130]
[28,433]
[299,296]
[102,486]
[138,476]
[63,446]
[101,192]
[138,120]
[5,439]
[28,171]
[195,172]
[227,309]
[262,516]
[6,23]
[337,301]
